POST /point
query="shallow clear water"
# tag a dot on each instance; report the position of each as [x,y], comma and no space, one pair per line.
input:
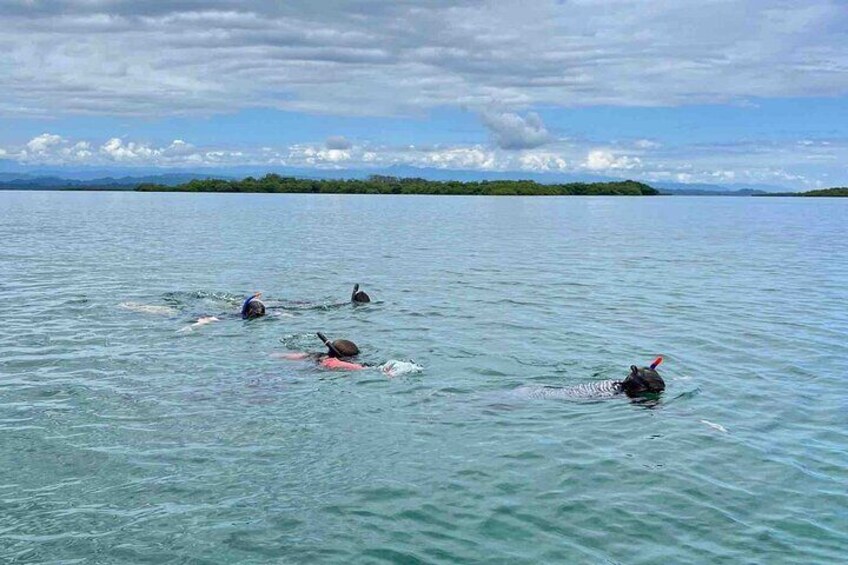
[129,435]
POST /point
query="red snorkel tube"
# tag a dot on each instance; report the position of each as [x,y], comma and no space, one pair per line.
[657,362]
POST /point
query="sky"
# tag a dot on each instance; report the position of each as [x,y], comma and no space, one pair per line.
[741,92]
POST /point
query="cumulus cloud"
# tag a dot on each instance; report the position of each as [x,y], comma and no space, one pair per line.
[307,155]
[807,163]
[53,149]
[116,149]
[604,160]
[646,144]
[79,152]
[41,144]
[338,142]
[511,131]
[176,56]
[458,157]
[474,158]
[543,162]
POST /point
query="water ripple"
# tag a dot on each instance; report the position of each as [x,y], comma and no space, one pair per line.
[127,441]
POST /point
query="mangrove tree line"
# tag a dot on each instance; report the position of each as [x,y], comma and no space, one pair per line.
[392,185]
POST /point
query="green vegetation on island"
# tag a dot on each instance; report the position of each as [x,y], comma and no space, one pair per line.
[392,185]
[839,191]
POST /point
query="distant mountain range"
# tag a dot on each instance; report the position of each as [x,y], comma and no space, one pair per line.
[697,189]
[32,182]
[52,179]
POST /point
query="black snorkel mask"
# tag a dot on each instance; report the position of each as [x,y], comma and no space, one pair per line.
[339,348]
[359,296]
[644,381]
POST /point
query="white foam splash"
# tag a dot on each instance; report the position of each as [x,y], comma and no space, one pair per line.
[148,308]
[281,315]
[201,322]
[718,427]
[395,368]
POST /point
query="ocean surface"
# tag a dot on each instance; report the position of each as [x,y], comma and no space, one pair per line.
[132,433]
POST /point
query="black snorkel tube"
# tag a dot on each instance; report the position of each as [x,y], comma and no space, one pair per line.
[359,296]
[333,351]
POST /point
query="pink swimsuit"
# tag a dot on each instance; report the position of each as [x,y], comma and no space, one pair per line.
[338,364]
[328,362]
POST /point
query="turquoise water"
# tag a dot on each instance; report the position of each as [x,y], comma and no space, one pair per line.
[130,435]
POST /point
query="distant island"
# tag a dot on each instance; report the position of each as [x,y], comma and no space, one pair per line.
[378,184]
[401,181]
[839,191]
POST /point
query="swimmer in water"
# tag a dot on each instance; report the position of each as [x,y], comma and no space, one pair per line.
[359,296]
[339,355]
[641,382]
[253,307]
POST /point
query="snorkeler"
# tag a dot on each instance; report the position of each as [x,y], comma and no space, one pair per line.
[640,382]
[338,356]
[359,296]
[644,380]
[253,307]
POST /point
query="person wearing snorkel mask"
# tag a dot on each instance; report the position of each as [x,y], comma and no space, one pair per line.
[253,307]
[340,355]
[641,382]
[359,296]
